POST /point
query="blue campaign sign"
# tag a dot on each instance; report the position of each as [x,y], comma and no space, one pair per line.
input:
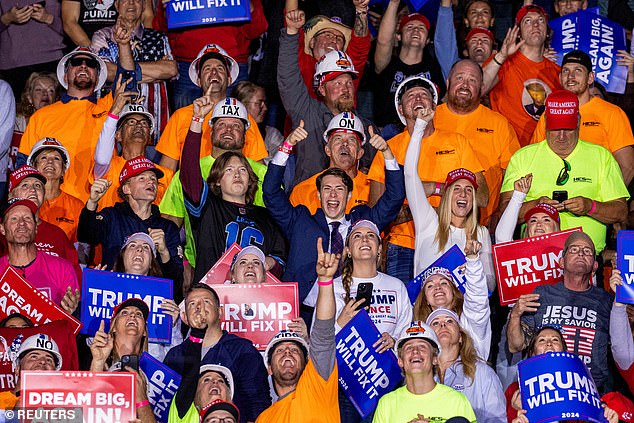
[602,39]
[558,386]
[625,263]
[162,384]
[102,291]
[565,35]
[364,375]
[452,260]
[184,13]
[598,36]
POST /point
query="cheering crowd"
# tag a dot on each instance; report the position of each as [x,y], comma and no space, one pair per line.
[344,146]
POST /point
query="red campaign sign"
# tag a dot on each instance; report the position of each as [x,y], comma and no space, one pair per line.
[522,265]
[220,272]
[257,312]
[18,296]
[103,397]
[11,339]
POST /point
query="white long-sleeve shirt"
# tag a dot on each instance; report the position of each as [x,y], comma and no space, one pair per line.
[479,273]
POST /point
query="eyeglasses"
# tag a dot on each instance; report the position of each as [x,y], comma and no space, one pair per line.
[221,420]
[143,123]
[563,174]
[584,251]
[331,36]
[88,61]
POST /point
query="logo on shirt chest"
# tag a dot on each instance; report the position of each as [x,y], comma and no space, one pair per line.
[98,115]
[442,152]
[591,124]
[485,130]
[582,179]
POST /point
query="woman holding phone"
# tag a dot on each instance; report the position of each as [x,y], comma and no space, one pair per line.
[361,285]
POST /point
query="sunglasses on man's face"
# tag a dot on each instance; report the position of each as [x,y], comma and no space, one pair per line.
[88,61]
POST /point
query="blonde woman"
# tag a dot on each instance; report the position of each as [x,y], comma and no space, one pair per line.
[456,221]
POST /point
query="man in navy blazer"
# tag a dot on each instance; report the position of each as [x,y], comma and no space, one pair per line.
[334,188]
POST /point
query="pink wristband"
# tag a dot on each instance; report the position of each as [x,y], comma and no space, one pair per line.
[142,404]
[112,115]
[197,119]
[438,187]
[593,209]
[320,283]
[196,340]
[286,148]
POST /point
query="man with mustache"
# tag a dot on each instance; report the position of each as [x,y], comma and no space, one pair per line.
[76,119]
[334,75]
[138,186]
[490,134]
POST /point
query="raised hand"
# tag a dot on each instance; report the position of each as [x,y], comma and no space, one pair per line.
[298,134]
[121,97]
[158,236]
[295,20]
[425,113]
[511,44]
[472,248]
[202,106]
[98,189]
[71,300]
[327,263]
[523,184]
[101,348]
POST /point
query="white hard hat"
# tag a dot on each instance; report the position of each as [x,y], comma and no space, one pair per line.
[45,144]
[333,61]
[411,82]
[417,330]
[213,51]
[230,108]
[284,336]
[133,108]
[347,122]
[86,51]
[223,371]
[39,342]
